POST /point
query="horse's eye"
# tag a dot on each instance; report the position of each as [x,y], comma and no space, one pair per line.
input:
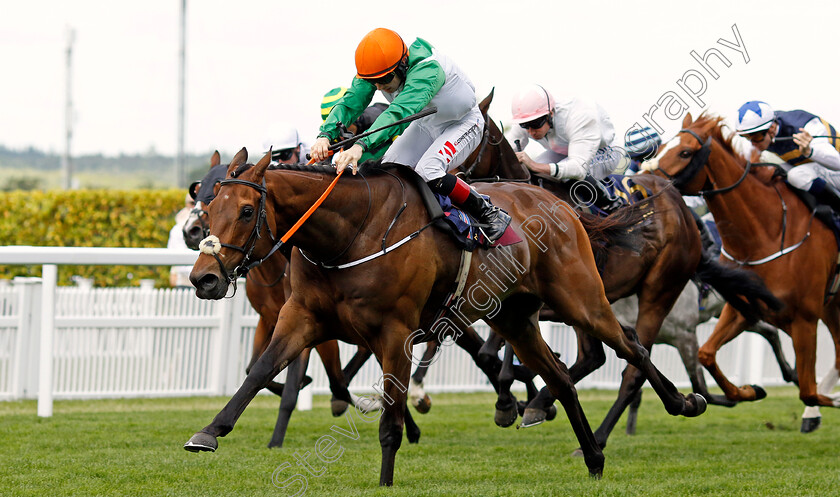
[247,213]
[685,154]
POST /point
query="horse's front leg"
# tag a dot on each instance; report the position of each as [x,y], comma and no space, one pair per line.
[396,368]
[730,325]
[295,330]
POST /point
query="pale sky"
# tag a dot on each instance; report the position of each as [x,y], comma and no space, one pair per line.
[254,62]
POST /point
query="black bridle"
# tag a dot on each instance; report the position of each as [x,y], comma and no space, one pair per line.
[201,215]
[699,160]
[247,262]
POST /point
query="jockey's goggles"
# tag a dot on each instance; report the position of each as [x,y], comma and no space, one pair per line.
[284,154]
[536,123]
[383,80]
[757,137]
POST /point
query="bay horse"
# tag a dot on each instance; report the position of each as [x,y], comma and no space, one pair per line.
[671,255]
[266,289]
[381,302]
[679,330]
[766,228]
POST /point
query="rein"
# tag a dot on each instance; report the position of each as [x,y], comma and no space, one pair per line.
[700,159]
[782,251]
[385,249]
[485,140]
[208,245]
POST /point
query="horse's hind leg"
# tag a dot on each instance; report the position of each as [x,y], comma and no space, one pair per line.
[294,375]
[590,357]
[416,394]
[262,336]
[523,334]
[590,311]
[506,412]
[633,413]
[331,359]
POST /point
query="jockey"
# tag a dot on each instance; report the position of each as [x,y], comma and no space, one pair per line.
[576,134]
[808,143]
[640,145]
[411,79]
[284,142]
[362,124]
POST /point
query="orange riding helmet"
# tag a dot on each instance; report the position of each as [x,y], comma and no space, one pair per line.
[379,53]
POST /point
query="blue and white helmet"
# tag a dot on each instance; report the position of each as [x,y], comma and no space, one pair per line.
[754,116]
[642,143]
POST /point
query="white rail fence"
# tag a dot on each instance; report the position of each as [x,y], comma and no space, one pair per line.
[77,343]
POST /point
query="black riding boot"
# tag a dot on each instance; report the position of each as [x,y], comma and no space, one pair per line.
[706,237]
[494,220]
[830,197]
[602,199]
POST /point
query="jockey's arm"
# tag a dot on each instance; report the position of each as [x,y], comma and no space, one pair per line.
[822,152]
[421,85]
[584,139]
[349,108]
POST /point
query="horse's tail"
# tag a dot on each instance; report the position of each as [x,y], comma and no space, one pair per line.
[742,289]
[614,231]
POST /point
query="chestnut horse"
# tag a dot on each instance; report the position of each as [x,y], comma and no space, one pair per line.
[381,301]
[671,254]
[767,228]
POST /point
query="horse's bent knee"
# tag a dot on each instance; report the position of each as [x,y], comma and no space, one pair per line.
[706,358]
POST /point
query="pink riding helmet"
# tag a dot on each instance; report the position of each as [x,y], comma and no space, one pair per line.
[531,102]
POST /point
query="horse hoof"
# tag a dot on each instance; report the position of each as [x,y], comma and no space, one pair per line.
[505,417]
[760,393]
[521,406]
[367,404]
[809,424]
[412,436]
[577,453]
[551,413]
[701,404]
[338,407]
[423,405]
[202,442]
[534,417]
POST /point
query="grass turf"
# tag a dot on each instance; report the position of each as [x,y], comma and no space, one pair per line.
[134,447]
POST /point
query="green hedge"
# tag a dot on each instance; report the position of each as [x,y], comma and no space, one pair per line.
[90,218]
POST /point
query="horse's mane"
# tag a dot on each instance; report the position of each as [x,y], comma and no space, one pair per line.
[714,125]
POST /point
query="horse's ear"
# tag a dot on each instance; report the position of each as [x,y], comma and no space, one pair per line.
[686,120]
[485,104]
[215,160]
[262,165]
[240,158]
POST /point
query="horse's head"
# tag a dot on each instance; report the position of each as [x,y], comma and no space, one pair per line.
[196,228]
[238,226]
[684,159]
[494,156]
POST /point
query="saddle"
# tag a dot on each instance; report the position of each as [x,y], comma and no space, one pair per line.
[448,218]
[623,189]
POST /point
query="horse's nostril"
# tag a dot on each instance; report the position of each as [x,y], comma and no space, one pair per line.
[207,282]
